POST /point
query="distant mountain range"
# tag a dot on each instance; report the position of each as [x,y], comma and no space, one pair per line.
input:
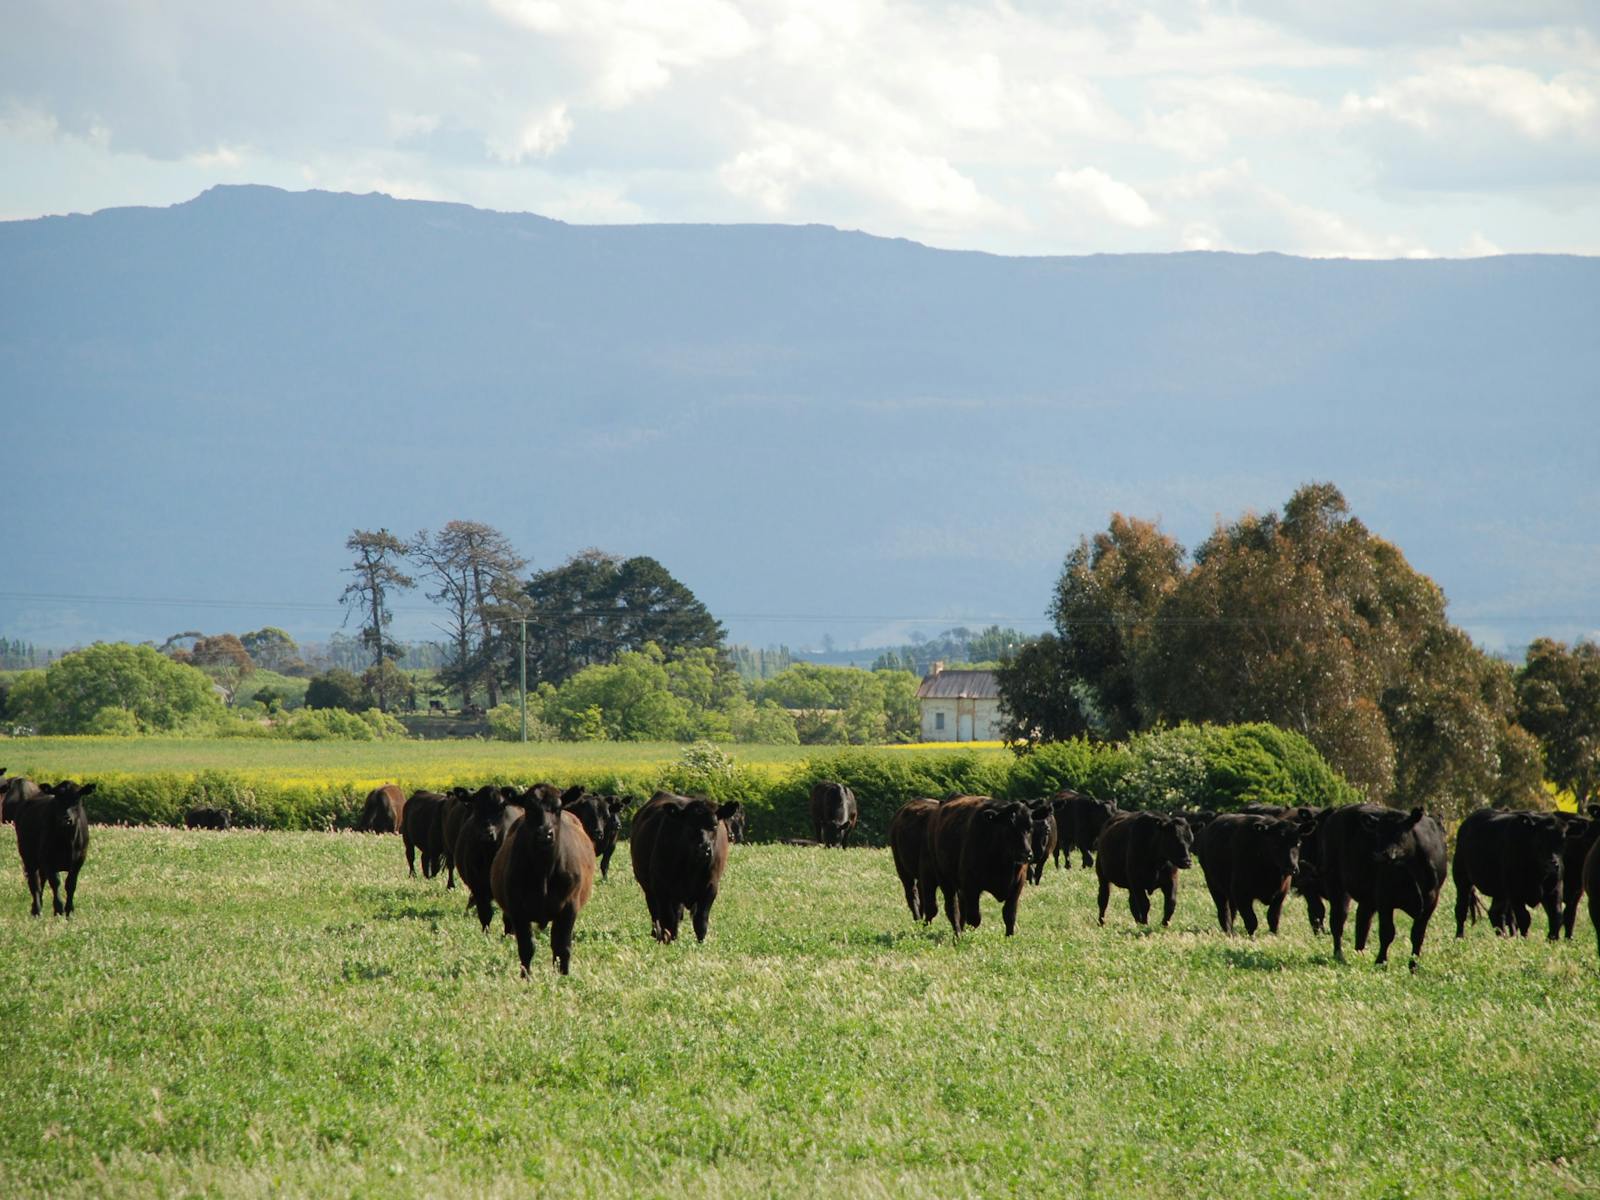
[820,432]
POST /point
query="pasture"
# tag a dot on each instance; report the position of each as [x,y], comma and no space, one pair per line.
[288,1013]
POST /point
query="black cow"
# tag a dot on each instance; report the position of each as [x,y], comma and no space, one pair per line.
[1384,859]
[1079,820]
[908,842]
[543,875]
[52,838]
[1044,836]
[1591,884]
[1143,852]
[1308,879]
[15,790]
[680,851]
[1582,833]
[978,844]
[207,817]
[1515,858]
[452,816]
[419,822]
[834,813]
[1249,858]
[601,818]
[738,831]
[491,813]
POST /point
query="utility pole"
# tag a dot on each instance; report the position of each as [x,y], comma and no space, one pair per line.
[522,663]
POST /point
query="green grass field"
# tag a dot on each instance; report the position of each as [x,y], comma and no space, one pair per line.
[277,1013]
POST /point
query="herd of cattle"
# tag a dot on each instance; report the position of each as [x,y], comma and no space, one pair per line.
[534,853]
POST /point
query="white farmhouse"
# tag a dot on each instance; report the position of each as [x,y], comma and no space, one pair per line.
[959,706]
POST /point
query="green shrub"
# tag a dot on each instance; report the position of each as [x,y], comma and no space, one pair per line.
[505,724]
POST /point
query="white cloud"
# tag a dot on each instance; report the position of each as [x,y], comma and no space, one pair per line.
[540,136]
[1092,191]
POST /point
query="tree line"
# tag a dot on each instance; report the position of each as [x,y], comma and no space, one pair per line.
[1307,620]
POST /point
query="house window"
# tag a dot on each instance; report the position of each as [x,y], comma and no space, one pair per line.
[938,720]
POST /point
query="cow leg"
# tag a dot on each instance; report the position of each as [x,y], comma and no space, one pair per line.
[1057,857]
[1385,933]
[1139,905]
[561,938]
[1338,910]
[671,918]
[1169,898]
[1463,907]
[605,861]
[72,886]
[1224,913]
[35,889]
[55,892]
[702,917]
[1008,911]
[1316,912]
[1524,920]
[450,874]
[909,887]
[524,930]
[971,915]
[1419,930]
[411,856]
[485,907]
[1275,910]
[1247,910]
[950,912]
[1363,924]
[1569,916]
[1552,911]
[1105,897]
[1088,860]
[1594,916]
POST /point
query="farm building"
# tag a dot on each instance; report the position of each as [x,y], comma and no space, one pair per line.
[959,706]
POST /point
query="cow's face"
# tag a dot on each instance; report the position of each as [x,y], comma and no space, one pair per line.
[1284,845]
[1388,833]
[1042,822]
[542,823]
[1011,827]
[835,807]
[67,798]
[695,830]
[1547,841]
[1175,842]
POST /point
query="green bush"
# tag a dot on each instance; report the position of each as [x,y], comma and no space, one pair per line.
[329,724]
[505,723]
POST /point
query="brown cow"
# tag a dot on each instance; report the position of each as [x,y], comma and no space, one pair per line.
[908,839]
[680,850]
[543,875]
[978,844]
[383,811]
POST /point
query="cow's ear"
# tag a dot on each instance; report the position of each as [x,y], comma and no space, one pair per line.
[572,795]
[1414,817]
[729,810]
[617,805]
[1594,810]
[1577,829]
[85,790]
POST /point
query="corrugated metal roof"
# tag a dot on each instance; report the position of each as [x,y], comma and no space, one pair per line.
[959,685]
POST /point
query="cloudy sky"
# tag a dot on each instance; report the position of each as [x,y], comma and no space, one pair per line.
[1362,127]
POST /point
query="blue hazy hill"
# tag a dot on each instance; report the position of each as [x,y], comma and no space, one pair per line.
[818,431]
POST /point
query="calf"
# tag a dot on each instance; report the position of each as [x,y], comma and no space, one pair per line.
[490,816]
[420,818]
[1582,832]
[1384,859]
[1079,820]
[978,844]
[680,850]
[601,818]
[834,813]
[542,875]
[1249,858]
[1514,857]
[206,817]
[908,841]
[1043,836]
[52,838]
[738,832]
[1143,851]
[383,811]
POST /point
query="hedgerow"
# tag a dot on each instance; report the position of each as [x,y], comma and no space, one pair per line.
[1220,767]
